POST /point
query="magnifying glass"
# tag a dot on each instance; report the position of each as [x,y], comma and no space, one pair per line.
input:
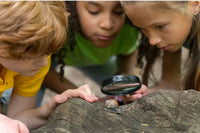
[120,85]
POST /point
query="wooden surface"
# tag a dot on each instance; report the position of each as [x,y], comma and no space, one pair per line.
[165,111]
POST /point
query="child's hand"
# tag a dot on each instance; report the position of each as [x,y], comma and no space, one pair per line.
[83,92]
[138,94]
[8,125]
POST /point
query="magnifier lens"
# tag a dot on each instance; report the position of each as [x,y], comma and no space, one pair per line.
[120,85]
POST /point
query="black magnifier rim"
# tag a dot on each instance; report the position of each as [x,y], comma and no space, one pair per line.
[120,79]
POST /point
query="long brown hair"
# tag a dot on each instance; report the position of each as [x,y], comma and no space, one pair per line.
[192,79]
[150,53]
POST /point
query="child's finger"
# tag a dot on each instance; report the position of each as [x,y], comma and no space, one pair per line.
[55,101]
[143,90]
[90,98]
[22,127]
[130,98]
[94,97]
[87,94]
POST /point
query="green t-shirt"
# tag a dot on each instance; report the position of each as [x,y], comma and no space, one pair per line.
[85,53]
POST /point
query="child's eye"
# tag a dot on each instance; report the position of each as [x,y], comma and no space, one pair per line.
[160,26]
[93,12]
[119,12]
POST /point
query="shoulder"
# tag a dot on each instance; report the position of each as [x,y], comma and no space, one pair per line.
[128,33]
[28,86]
[130,28]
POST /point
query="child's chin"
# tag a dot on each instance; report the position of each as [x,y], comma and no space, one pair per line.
[30,74]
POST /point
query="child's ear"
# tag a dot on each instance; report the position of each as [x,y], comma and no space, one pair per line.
[195,5]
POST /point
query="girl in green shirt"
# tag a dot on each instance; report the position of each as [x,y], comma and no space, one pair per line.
[97,31]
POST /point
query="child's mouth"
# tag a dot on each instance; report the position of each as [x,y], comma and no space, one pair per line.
[165,47]
[104,38]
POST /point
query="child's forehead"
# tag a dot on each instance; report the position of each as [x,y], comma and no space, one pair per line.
[156,4]
[151,16]
[103,4]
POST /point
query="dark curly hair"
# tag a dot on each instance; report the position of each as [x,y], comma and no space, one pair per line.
[73,27]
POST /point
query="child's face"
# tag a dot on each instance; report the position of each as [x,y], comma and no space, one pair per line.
[100,21]
[26,67]
[167,30]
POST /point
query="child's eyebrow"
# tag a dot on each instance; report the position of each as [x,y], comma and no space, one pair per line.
[93,3]
[118,5]
[158,23]
[155,24]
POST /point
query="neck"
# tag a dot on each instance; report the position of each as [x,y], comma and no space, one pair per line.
[1,67]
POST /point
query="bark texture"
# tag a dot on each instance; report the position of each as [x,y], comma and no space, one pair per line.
[164,111]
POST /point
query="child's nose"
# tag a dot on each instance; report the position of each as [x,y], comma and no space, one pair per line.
[107,22]
[154,39]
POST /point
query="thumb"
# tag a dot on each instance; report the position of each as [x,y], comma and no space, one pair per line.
[130,98]
[54,102]
[22,127]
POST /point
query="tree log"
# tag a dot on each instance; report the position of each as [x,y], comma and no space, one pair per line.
[164,111]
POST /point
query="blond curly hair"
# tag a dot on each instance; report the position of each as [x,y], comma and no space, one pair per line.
[32,28]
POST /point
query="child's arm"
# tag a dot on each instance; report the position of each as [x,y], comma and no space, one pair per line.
[171,68]
[57,85]
[22,108]
[127,64]
[8,125]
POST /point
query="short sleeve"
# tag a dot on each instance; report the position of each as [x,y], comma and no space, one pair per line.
[128,39]
[29,86]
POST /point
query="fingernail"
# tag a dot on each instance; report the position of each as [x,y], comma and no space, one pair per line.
[127,96]
[139,96]
[61,99]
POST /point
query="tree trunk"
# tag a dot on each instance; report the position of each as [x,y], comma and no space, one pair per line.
[164,111]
